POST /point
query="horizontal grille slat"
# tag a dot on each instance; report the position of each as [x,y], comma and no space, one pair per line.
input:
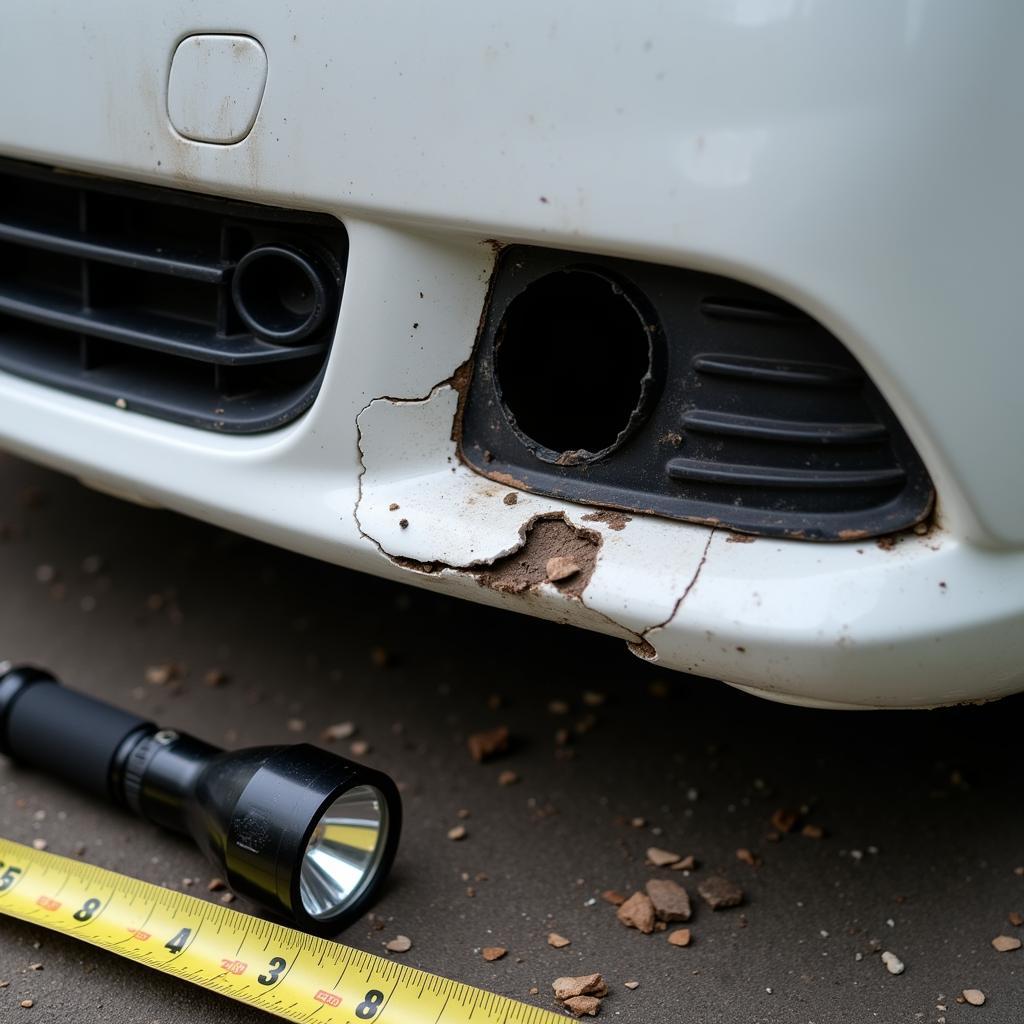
[147,330]
[755,368]
[762,476]
[134,295]
[795,431]
[107,252]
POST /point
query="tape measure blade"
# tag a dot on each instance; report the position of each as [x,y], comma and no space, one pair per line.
[263,964]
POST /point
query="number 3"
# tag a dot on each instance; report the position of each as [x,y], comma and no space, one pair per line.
[274,969]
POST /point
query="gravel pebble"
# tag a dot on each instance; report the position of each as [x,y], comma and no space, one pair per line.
[399,944]
[457,833]
[662,858]
[719,893]
[558,941]
[491,953]
[893,964]
[680,937]
[1005,943]
[974,996]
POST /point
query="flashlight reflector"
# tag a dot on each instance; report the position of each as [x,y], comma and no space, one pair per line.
[344,851]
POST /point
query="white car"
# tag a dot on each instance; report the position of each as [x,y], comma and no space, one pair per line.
[693,324]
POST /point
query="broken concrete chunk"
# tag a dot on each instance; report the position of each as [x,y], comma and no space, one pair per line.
[719,893]
[580,1006]
[488,744]
[637,912]
[671,901]
[491,953]
[1005,943]
[614,897]
[893,964]
[680,937]
[558,941]
[585,985]
[661,858]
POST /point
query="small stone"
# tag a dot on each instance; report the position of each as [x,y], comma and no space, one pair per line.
[216,885]
[338,731]
[558,941]
[1019,872]
[227,897]
[638,822]
[35,967]
[688,863]
[662,858]
[487,744]
[121,403]
[580,1006]
[1015,918]
[631,985]
[359,748]
[614,897]
[719,893]
[457,833]
[399,944]
[26,1004]
[215,677]
[670,900]
[813,832]
[508,778]
[561,568]
[974,996]
[161,675]
[393,507]
[893,964]
[637,912]
[462,813]
[679,937]
[40,844]
[491,953]
[784,819]
[585,985]
[1005,943]
[746,856]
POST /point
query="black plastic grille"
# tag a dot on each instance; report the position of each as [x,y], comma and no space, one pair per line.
[747,412]
[122,293]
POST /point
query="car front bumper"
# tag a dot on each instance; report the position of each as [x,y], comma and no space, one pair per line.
[832,154]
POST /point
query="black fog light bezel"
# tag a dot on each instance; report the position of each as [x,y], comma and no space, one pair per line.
[762,421]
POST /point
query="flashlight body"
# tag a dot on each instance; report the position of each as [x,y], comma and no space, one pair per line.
[253,812]
[79,739]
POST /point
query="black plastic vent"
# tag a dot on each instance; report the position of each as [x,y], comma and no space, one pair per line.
[210,312]
[653,389]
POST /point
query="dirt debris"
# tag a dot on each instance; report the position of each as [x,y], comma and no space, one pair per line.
[812,832]
[670,900]
[457,833]
[580,1006]
[785,819]
[631,985]
[746,856]
[638,912]
[614,897]
[399,944]
[161,675]
[492,953]
[359,748]
[1005,943]
[216,885]
[1015,918]
[338,731]
[974,996]
[557,941]
[547,538]
[688,863]
[584,985]
[40,844]
[613,520]
[662,858]
[508,778]
[719,893]
[511,498]
[680,937]
[27,1004]
[489,743]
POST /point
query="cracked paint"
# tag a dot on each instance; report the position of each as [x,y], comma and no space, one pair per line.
[430,514]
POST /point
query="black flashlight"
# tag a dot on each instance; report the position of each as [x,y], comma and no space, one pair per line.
[304,833]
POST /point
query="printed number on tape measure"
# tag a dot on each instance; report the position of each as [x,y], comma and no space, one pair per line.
[269,966]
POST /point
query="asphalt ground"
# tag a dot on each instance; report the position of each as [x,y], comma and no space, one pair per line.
[921,811]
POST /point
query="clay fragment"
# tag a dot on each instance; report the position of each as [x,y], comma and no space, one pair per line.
[637,912]
[671,901]
[719,893]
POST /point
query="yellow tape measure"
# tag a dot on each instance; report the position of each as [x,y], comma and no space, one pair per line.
[271,967]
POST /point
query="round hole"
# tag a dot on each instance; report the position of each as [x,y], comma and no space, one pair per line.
[280,293]
[574,366]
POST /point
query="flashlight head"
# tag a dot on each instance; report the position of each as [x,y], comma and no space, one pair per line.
[303,832]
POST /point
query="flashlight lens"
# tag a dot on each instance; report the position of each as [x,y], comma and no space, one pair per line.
[344,851]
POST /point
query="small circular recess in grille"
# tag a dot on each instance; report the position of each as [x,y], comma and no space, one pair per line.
[282,294]
[575,365]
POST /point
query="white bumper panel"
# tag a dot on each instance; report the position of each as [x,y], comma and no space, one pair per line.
[825,152]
